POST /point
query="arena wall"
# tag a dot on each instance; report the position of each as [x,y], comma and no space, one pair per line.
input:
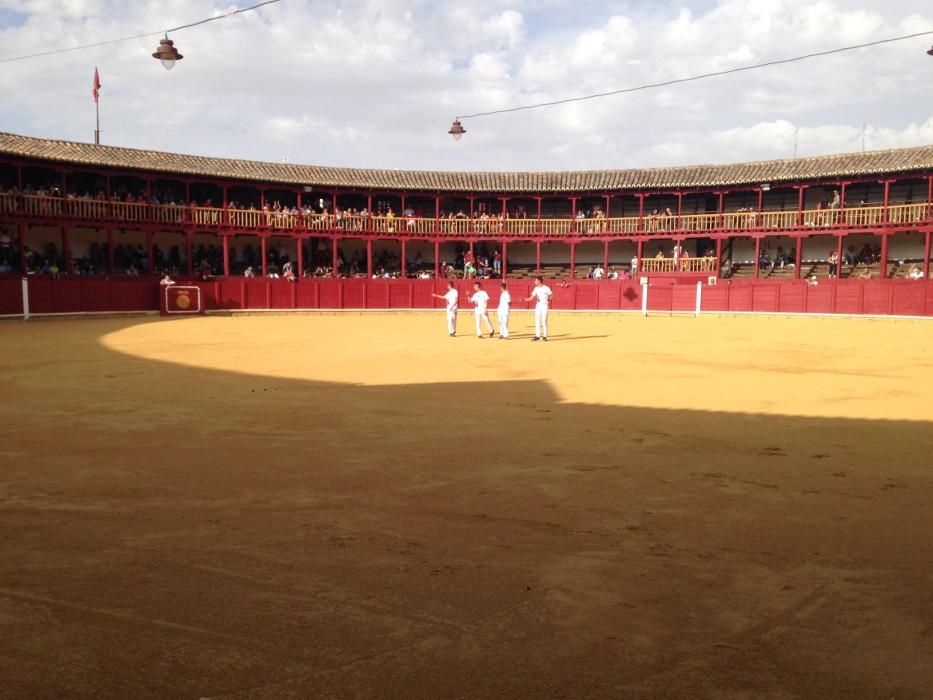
[101,295]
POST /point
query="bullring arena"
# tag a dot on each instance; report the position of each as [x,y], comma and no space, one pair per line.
[712,481]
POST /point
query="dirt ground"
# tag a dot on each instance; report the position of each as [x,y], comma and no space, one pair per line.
[359,506]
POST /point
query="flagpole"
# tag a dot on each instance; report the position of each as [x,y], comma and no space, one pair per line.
[96,93]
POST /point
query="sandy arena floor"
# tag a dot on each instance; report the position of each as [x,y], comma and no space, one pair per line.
[361,507]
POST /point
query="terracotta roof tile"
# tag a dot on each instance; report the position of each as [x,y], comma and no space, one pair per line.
[904,160]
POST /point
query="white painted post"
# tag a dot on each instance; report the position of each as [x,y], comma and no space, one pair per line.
[699,298]
[25,299]
[644,296]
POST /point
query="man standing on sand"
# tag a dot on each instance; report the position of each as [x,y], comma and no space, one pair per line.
[451,297]
[480,301]
[541,295]
[505,307]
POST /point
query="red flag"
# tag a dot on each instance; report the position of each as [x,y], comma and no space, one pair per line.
[96,90]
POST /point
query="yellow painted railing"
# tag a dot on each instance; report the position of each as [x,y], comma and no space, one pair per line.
[243,219]
[682,265]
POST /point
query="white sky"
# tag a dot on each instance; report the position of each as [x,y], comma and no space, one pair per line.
[376,83]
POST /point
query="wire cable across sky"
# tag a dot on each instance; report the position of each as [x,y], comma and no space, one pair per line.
[52,52]
[693,78]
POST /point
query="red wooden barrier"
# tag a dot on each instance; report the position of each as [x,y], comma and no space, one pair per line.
[79,295]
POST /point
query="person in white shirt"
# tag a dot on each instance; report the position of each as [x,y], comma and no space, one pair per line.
[167,281]
[505,306]
[599,273]
[541,295]
[480,301]
[451,297]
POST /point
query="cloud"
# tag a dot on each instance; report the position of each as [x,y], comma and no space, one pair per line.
[375,83]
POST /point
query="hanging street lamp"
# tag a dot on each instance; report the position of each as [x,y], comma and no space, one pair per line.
[457,130]
[167,53]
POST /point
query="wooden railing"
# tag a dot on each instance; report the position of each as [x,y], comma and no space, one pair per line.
[253,219]
[681,265]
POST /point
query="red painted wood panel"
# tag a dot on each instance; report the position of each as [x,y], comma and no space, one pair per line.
[329,294]
[908,300]
[684,297]
[11,296]
[609,297]
[792,299]
[281,294]
[740,299]
[377,295]
[877,299]
[820,299]
[256,294]
[660,298]
[716,298]
[307,294]
[231,293]
[354,294]
[96,294]
[848,299]
[765,298]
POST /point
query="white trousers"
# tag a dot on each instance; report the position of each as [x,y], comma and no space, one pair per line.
[482,316]
[452,320]
[503,317]
[541,320]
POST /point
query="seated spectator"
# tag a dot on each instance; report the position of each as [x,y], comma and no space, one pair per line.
[249,272]
[167,281]
[598,272]
[915,273]
[833,261]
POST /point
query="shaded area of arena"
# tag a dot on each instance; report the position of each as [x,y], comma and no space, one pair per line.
[214,524]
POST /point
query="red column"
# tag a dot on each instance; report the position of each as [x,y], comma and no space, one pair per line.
[226,247]
[761,207]
[887,197]
[842,202]
[718,256]
[300,257]
[66,252]
[926,256]
[680,210]
[21,232]
[539,213]
[573,260]
[505,271]
[149,257]
[335,261]
[641,216]
[798,257]
[800,197]
[189,249]
[224,219]
[333,202]
[757,257]
[402,262]
[109,250]
[640,255]
[884,253]
[369,259]
[537,257]
[606,258]
[573,214]
[930,197]
[722,205]
[608,206]
[437,259]
[437,214]
[839,257]
[263,251]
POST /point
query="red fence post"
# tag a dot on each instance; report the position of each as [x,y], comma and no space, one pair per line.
[926,254]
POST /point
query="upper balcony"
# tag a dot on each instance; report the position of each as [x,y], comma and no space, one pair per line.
[76,211]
